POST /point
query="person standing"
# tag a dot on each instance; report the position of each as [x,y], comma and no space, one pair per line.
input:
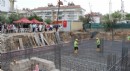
[0,27]
[98,43]
[128,38]
[40,27]
[76,46]
[30,28]
[0,68]
[37,67]
[45,28]
[34,27]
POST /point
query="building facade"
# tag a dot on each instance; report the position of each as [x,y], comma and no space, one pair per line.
[69,13]
[25,12]
[95,16]
[7,6]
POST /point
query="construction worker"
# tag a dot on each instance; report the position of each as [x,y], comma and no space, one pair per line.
[128,38]
[76,46]
[98,44]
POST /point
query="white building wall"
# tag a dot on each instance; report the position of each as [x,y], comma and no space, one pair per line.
[5,5]
[96,19]
[67,14]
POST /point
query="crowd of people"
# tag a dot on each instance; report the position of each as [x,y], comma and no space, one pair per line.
[20,28]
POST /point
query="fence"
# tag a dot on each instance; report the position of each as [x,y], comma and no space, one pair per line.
[121,64]
[113,58]
[101,26]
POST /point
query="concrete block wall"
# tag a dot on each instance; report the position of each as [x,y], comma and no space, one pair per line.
[49,65]
[76,26]
[24,65]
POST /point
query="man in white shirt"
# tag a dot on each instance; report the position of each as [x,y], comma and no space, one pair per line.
[40,27]
[34,27]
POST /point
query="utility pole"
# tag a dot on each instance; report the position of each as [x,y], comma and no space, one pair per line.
[110,17]
[91,16]
[111,21]
[122,10]
[59,45]
[91,13]
[58,11]
[122,18]
[12,5]
[110,10]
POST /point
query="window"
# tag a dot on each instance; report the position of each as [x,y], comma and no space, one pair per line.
[60,13]
[81,12]
[60,18]
[2,3]
[48,13]
[71,12]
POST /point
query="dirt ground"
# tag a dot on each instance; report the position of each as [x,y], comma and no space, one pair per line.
[10,42]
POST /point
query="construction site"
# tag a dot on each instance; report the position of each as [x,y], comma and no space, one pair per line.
[53,51]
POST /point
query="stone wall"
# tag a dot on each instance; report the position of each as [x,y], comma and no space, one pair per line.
[27,65]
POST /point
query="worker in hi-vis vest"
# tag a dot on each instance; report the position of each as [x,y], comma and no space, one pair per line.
[76,46]
[98,42]
[128,38]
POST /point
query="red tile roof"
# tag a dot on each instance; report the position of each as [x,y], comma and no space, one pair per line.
[62,7]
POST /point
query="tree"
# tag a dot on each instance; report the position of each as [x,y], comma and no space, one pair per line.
[85,19]
[36,17]
[109,23]
[13,17]
[127,16]
[2,18]
[105,18]
[116,16]
[48,21]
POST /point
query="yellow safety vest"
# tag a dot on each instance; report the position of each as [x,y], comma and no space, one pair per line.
[75,44]
[98,42]
[128,37]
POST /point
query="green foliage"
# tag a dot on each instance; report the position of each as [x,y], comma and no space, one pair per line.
[86,19]
[36,17]
[109,25]
[2,18]
[13,17]
[48,21]
[105,18]
[7,20]
[116,16]
[128,16]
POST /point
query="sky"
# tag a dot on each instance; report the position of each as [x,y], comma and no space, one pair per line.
[101,6]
